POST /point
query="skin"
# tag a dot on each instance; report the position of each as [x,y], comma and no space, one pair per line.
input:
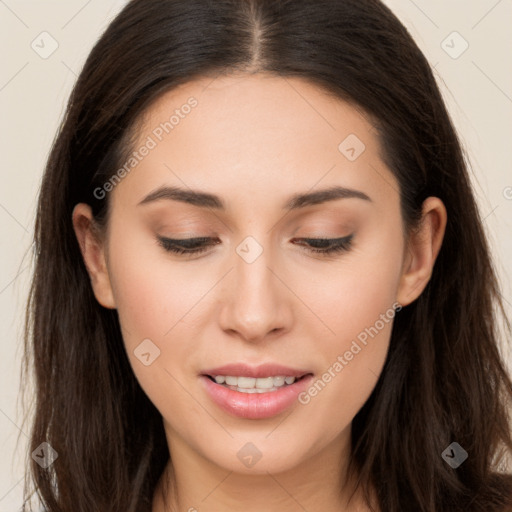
[254,140]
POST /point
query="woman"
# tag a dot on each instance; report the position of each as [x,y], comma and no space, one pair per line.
[261,281]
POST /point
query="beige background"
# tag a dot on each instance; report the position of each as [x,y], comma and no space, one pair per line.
[477,86]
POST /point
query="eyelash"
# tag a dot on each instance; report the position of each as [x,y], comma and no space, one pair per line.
[324,246]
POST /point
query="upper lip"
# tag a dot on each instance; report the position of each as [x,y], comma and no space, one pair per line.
[261,371]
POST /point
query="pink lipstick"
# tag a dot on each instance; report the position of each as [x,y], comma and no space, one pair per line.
[255,392]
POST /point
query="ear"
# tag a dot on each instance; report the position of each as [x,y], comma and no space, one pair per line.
[421,251]
[93,253]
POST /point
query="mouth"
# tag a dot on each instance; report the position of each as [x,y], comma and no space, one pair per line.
[244,384]
[255,402]
[250,392]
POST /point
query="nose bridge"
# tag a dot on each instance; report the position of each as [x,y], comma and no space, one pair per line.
[251,269]
[256,304]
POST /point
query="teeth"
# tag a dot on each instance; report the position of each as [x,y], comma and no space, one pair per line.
[262,383]
[243,382]
[279,381]
[253,385]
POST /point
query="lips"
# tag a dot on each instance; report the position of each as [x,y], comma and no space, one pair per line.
[256,405]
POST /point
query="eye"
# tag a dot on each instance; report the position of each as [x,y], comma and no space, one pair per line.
[198,245]
[187,245]
[326,246]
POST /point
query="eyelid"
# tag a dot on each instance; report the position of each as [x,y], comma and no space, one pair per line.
[331,246]
[335,245]
[179,245]
[346,238]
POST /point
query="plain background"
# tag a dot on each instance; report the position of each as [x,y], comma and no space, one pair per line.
[477,86]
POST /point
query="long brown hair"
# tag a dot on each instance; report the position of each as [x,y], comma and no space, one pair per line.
[443,380]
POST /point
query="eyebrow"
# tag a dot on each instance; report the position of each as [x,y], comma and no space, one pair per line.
[207,200]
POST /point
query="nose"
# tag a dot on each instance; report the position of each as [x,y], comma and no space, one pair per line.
[255,302]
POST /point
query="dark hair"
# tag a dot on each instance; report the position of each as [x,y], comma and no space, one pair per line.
[443,380]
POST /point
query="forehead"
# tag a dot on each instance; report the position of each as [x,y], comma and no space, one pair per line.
[251,134]
[261,104]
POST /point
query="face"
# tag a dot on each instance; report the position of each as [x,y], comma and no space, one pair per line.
[281,279]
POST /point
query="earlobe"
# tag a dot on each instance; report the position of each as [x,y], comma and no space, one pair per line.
[422,249]
[93,253]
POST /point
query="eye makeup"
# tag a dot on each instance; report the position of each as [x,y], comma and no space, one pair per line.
[198,245]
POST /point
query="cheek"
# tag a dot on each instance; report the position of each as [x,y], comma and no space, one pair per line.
[153,299]
[152,294]
[351,294]
[358,307]
[158,303]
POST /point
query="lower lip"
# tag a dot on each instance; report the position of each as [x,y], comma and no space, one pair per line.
[255,406]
